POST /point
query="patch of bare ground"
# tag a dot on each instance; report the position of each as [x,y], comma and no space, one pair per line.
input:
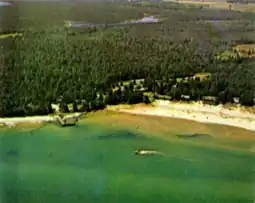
[220,5]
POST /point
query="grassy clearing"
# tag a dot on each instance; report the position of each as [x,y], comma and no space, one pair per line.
[242,50]
[3,36]
[202,76]
[226,55]
[222,5]
[245,48]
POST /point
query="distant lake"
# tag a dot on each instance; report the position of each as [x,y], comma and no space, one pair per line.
[150,19]
[4,3]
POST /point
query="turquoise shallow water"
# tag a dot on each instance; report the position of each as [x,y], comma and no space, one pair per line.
[92,163]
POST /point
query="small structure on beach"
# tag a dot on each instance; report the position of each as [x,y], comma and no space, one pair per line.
[236,100]
[185,97]
[10,124]
[68,120]
[209,100]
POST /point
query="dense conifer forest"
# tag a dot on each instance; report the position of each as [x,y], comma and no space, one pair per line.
[92,68]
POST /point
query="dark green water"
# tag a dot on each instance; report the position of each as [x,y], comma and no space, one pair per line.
[90,163]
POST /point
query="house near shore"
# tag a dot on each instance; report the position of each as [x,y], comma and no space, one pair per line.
[10,124]
[209,99]
[236,100]
[185,97]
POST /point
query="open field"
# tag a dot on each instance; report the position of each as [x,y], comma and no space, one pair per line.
[3,36]
[241,50]
[245,48]
[220,5]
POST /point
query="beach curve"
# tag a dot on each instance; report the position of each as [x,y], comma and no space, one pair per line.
[195,111]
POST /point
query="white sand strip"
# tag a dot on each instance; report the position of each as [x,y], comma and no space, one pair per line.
[10,122]
[193,111]
[33,119]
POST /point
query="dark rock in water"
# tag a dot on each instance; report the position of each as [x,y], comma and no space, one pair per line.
[120,135]
[12,153]
[184,136]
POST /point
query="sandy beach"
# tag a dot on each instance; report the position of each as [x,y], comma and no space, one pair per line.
[193,111]
[11,122]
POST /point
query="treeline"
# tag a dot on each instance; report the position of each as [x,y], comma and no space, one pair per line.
[41,69]
[233,84]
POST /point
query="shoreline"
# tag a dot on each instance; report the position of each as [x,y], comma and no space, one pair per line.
[195,111]
[13,121]
[192,111]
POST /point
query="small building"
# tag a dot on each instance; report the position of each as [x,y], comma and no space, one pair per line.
[185,97]
[236,100]
[209,99]
[67,120]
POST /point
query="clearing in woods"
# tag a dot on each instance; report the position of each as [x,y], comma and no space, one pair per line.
[221,5]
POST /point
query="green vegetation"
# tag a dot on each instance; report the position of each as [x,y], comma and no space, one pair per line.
[91,68]
[78,69]
[2,36]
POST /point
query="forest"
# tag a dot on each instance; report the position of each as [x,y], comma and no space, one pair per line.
[133,64]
